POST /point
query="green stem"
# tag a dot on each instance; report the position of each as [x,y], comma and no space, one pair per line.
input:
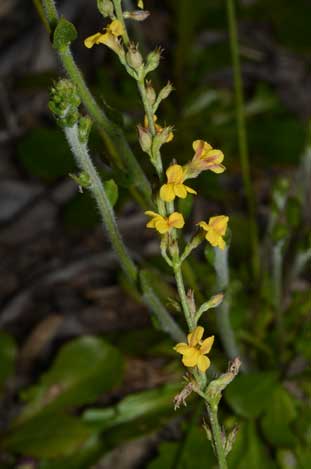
[183,296]
[97,189]
[112,135]
[242,136]
[118,10]
[212,410]
[84,162]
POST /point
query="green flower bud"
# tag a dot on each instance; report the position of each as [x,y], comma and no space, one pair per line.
[85,125]
[153,60]
[105,7]
[134,58]
[64,103]
[166,91]
[145,138]
[151,94]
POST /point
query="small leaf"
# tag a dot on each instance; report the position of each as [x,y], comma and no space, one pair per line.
[112,191]
[42,437]
[65,32]
[133,407]
[83,369]
[7,357]
[249,395]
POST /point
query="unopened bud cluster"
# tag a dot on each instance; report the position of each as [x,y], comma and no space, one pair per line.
[64,102]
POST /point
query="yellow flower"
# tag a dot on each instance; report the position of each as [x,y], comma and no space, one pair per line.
[165,224]
[205,157]
[195,350]
[215,230]
[109,37]
[158,128]
[175,186]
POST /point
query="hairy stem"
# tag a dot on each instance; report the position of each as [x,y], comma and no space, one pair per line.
[97,189]
[212,410]
[242,136]
[183,297]
[84,162]
[119,150]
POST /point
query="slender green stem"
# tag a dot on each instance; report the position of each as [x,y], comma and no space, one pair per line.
[183,296]
[212,410]
[112,135]
[119,14]
[242,136]
[84,162]
[38,6]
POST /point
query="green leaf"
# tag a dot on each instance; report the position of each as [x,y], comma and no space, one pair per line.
[83,369]
[279,414]
[45,154]
[248,451]
[112,191]
[250,394]
[7,357]
[135,406]
[65,32]
[42,437]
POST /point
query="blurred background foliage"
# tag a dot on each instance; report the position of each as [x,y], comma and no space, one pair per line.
[86,379]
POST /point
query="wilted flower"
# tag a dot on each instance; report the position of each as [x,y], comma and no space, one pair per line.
[205,158]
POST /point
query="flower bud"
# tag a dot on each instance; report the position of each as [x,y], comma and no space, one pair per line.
[134,58]
[85,125]
[145,138]
[166,91]
[213,302]
[153,60]
[64,103]
[151,94]
[105,7]
[137,15]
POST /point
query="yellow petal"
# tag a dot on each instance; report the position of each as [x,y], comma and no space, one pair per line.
[181,348]
[207,344]
[170,137]
[151,223]
[105,39]
[218,168]
[90,41]
[116,28]
[180,190]
[203,363]
[191,357]
[175,174]
[217,154]
[195,336]
[203,225]
[150,213]
[167,192]
[201,143]
[161,225]
[212,237]
[221,244]
[176,220]
[219,223]
[190,190]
